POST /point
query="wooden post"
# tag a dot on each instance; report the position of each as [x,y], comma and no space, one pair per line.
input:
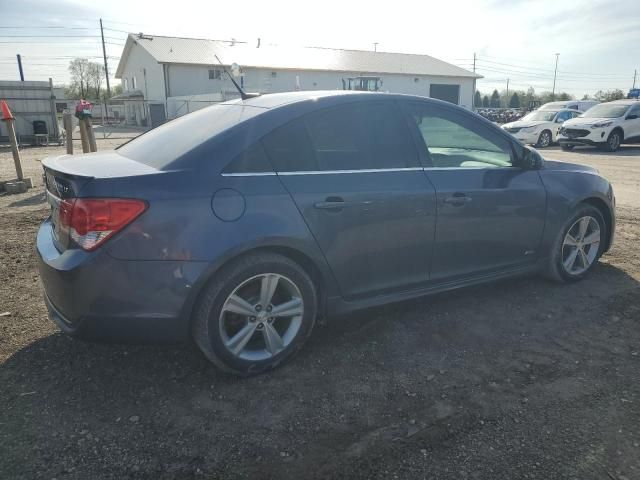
[91,135]
[68,128]
[14,148]
[84,137]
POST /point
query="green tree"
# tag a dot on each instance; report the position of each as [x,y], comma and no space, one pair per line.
[495,100]
[485,101]
[586,97]
[515,101]
[564,96]
[477,99]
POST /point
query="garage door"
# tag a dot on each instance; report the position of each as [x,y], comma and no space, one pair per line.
[448,93]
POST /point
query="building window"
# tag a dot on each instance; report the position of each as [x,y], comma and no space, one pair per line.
[215,74]
[274,74]
[126,85]
[134,84]
[416,79]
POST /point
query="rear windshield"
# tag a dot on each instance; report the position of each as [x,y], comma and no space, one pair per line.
[163,145]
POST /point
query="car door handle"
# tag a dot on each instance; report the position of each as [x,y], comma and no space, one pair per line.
[457,200]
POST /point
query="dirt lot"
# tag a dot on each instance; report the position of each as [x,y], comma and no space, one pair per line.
[520,379]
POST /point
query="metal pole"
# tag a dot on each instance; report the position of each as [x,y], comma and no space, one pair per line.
[507,92]
[68,128]
[635,73]
[106,67]
[473,105]
[553,92]
[54,115]
[20,67]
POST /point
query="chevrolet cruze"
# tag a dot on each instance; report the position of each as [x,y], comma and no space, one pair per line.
[242,224]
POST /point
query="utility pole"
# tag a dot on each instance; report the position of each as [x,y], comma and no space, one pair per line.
[20,67]
[635,73]
[104,54]
[553,92]
[375,46]
[507,89]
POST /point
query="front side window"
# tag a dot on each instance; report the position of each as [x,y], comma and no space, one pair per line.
[563,116]
[453,140]
[357,136]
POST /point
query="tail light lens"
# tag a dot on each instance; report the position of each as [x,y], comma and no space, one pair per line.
[91,221]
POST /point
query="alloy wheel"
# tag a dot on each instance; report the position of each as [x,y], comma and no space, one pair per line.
[545,139]
[261,317]
[614,141]
[581,245]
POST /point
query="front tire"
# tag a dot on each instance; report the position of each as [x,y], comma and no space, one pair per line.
[613,141]
[255,314]
[578,245]
[544,140]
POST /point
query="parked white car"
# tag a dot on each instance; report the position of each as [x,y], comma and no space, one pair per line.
[582,105]
[606,126]
[540,127]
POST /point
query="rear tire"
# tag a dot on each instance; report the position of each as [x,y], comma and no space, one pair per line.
[239,334]
[577,247]
[567,148]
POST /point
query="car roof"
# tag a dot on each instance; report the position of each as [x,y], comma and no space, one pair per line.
[274,100]
[625,101]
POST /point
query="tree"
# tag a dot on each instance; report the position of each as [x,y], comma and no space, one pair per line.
[495,100]
[515,101]
[116,90]
[485,102]
[564,96]
[477,99]
[586,97]
[96,76]
[79,69]
[609,95]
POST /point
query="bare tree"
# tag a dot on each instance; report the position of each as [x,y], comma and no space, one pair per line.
[79,68]
[96,76]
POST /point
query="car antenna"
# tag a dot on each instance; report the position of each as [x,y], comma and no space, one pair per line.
[243,95]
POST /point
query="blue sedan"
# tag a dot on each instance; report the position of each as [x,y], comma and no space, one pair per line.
[243,223]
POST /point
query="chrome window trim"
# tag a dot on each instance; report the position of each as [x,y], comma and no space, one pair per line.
[366,170]
[249,174]
[363,170]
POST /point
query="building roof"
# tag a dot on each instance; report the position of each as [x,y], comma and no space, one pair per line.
[194,51]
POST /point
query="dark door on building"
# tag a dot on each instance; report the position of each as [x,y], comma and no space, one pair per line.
[157,114]
[448,93]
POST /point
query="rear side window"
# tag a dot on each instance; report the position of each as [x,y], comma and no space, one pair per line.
[357,136]
[162,146]
[252,160]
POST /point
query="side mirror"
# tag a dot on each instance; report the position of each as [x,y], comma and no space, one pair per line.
[531,159]
[633,116]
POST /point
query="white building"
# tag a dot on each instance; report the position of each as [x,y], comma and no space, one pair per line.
[168,76]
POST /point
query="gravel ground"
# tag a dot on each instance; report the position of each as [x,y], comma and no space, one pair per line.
[512,380]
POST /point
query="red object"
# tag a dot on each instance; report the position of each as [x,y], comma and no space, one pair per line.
[83,108]
[91,221]
[6,113]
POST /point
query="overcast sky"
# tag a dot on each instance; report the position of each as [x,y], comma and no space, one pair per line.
[516,39]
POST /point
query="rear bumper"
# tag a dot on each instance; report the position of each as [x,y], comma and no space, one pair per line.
[96,297]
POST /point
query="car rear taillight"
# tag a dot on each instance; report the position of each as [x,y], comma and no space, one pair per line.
[91,221]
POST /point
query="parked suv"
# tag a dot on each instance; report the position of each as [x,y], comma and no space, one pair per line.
[241,224]
[581,105]
[540,127]
[606,126]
